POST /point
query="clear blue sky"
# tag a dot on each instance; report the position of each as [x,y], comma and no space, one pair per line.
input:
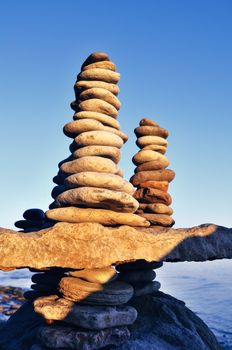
[175,62]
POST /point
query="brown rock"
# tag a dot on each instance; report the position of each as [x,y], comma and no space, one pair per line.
[102,276]
[101,216]
[103,118]
[159,185]
[98,198]
[100,246]
[76,127]
[101,180]
[95,105]
[101,64]
[82,85]
[151,131]
[102,94]
[153,165]
[159,208]
[148,156]
[39,287]
[105,75]
[157,148]
[110,152]
[90,163]
[152,195]
[78,290]
[99,138]
[159,219]
[151,140]
[59,337]
[147,122]
[95,57]
[155,175]
[88,317]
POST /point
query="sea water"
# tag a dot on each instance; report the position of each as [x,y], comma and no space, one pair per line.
[205,287]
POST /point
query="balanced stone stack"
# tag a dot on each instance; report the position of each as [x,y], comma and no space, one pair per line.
[88,310]
[90,185]
[151,176]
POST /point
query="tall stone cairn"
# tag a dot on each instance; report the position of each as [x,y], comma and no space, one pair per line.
[90,185]
[152,177]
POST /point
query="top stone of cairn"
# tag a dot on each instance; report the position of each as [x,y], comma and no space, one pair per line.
[90,184]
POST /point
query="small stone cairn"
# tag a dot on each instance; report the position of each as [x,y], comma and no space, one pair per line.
[88,309]
[151,176]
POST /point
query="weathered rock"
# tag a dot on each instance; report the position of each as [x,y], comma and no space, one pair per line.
[145,288]
[101,216]
[98,198]
[59,179]
[152,195]
[137,276]
[157,148]
[95,57]
[105,75]
[147,156]
[24,224]
[151,140]
[102,180]
[159,219]
[78,290]
[147,130]
[88,317]
[110,152]
[76,127]
[34,214]
[88,84]
[163,323]
[103,118]
[147,122]
[154,175]
[99,246]
[103,138]
[159,185]
[102,94]
[157,208]
[153,165]
[90,163]
[101,64]
[58,337]
[104,275]
[96,105]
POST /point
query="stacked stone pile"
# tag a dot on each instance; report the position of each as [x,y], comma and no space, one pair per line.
[151,176]
[88,309]
[90,185]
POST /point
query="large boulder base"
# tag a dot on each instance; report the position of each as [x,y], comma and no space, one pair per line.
[163,323]
[100,246]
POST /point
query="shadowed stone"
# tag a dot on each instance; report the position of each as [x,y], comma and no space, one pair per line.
[145,288]
[152,195]
[104,275]
[159,219]
[34,214]
[137,276]
[147,122]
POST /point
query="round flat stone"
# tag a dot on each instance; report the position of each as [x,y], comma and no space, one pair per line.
[159,185]
[148,156]
[57,190]
[153,165]
[78,290]
[157,148]
[81,85]
[110,152]
[159,219]
[147,122]
[39,287]
[101,180]
[151,140]
[48,278]
[137,276]
[25,224]
[90,164]
[103,118]
[96,105]
[85,316]
[152,195]
[98,198]
[103,275]
[146,288]
[100,216]
[103,138]
[34,214]
[101,64]
[102,94]
[95,57]
[105,75]
[157,175]
[151,131]
[139,265]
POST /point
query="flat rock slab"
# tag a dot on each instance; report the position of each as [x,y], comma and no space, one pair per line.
[89,317]
[94,246]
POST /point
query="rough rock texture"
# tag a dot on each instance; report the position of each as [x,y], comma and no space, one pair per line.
[163,323]
[99,246]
